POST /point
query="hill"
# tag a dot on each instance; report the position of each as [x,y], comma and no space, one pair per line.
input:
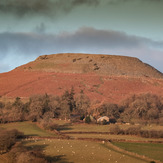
[102,77]
[90,63]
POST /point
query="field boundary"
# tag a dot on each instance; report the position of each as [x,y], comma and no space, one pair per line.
[116,140]
[84,132]
[63,135]
[132,153]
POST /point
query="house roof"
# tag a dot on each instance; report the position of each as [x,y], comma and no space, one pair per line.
[103,118]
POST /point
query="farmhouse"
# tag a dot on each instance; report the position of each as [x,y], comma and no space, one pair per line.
[103,119]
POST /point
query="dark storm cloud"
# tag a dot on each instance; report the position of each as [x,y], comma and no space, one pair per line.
[154,0]
[50,8]
[88,2]
[44,7]
[21,7]
[131,1]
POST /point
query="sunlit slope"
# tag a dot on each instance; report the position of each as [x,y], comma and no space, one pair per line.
[102,77]
[91,63]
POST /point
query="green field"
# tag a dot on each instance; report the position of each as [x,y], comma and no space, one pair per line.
[109,136]
[79,151]
[151,150]
[99,128]
[28,128]
[82,127]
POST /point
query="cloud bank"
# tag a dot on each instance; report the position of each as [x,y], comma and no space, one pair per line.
[85,40]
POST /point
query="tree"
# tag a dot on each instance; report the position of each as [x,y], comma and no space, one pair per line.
[143,107]
[82,103]
[67,103]
[71,100]
[110,110]
[38,106]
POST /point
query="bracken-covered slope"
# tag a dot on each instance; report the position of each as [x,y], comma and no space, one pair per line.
[102,77]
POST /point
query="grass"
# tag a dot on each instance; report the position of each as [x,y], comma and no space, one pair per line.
[44,65]
[150,150]
[28,128]
[108,136]
[83,127]
[152,127]
[80,151]
[102,128]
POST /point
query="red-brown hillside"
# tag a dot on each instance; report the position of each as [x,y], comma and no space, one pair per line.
[102,77]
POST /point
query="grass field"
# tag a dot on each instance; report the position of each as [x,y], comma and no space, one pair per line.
[82,127]
[81,151]
[28,128]
[151,150]
[108,136]
[100,128]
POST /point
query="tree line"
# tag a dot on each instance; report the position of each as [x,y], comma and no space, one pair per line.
[136,130]
[144,108]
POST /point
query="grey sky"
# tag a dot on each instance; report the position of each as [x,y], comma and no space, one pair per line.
[122,27]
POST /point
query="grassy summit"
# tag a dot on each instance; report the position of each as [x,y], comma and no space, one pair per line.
[90,63]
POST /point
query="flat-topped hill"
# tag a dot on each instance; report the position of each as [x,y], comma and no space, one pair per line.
[101,77]
[90,63]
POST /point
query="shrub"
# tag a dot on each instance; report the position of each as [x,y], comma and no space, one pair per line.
[115,130]
[104,122]
[20,154]
[87,119]
[133,131]
[2,104]
[151,134]
[8,139]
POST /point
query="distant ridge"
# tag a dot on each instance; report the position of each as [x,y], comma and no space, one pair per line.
[92,63]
